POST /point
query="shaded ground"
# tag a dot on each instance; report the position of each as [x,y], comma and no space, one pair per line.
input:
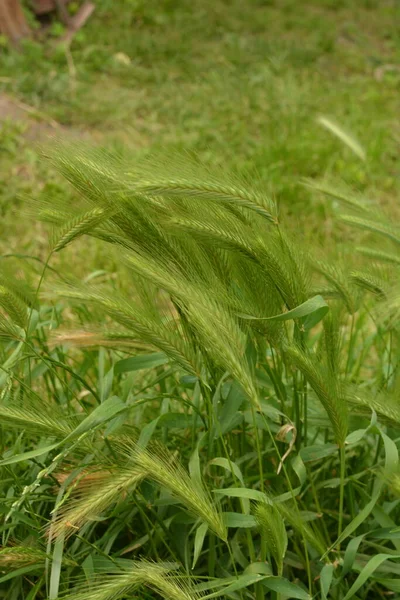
[36,127]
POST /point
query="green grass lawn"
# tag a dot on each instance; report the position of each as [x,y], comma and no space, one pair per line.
[240,83]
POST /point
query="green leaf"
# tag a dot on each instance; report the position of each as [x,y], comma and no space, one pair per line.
[262,568]
[350,554]
[147,433]
[229,412]
[238,583]
[314,309]
[189,381]
[300,469]
[344,136]
[326,580]
[355,436]
[229,466]
[56,567]
[28,455]
[390,584]
[360,518]
[285,588]
[367,571]
[195,467]
[311,453]
[391,464]
[389,533]
[201,532]
[386,522]
[233,519]
[10,362]
[309,515]
[243,493]
[106,384]
[175,420]
[102,413]
[142,361]
[20,572]
[287,495]
[35,589]
[391,455]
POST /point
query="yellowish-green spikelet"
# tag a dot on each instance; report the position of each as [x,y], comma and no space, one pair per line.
[168,472]
[91,495]
[16,557]
[142,574]
[272,528]
[77,227]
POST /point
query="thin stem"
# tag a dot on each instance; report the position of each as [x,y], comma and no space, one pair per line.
[318,505]
[38,290]
[390,370]
[212,555]
[259,452]
[341,493]
[161,524]
[205,394]
[305,409]
[308,567]
[297,411]
[232,558]
[350,344]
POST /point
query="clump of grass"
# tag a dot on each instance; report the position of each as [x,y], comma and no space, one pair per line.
[177,380]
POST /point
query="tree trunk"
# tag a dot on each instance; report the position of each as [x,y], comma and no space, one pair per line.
[12,20]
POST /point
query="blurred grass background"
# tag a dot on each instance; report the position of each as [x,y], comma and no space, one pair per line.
[241,83]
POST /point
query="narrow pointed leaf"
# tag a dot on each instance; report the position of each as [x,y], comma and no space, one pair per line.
[201,533]
[239,583]
[232,519]
[367,571]
[313,309]
[28,455]
[243,493]
[285,588]
[143,361]
[326,580]
[344,136]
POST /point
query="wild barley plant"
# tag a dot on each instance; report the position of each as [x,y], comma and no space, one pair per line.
[249,376]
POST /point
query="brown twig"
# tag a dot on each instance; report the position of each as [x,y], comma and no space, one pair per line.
[78,21]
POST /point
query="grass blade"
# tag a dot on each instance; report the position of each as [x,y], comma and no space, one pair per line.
[348,139]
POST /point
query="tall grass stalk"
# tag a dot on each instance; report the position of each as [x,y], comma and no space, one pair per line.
[342,454]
